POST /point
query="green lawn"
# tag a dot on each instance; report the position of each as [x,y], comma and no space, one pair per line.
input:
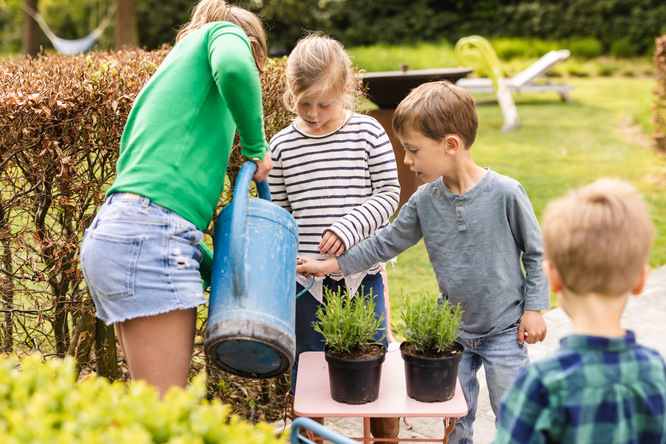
[605,133]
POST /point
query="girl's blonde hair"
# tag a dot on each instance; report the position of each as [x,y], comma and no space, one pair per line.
[319,65]
[207,11]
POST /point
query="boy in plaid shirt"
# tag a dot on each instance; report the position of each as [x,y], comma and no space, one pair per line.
[601,386]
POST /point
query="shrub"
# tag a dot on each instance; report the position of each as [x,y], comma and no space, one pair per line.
[347,322]
[586,48]
[42,403]
[623,49]
[61,119]
[429,326]
[659,105]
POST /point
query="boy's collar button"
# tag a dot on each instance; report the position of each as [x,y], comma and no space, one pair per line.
[459,203]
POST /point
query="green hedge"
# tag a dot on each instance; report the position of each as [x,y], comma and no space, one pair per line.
[41,402]
[365,22]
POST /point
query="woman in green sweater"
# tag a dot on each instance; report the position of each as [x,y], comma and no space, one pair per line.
[141,255]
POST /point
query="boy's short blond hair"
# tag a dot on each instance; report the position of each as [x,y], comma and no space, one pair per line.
[437,109]
[598,237]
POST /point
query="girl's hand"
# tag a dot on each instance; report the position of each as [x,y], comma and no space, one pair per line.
[532,328]
[308,266]
[331,244]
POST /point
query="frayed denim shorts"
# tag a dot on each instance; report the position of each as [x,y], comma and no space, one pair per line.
[141,259]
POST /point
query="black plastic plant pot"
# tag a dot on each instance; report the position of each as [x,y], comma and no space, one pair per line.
[354,381]
[431,379]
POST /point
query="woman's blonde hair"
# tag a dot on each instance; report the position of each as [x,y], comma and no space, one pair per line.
[207,11]
[319,65]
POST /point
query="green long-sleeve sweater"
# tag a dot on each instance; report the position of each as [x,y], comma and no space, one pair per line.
[179,134]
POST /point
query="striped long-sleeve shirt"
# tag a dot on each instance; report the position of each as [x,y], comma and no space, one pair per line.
[345,181]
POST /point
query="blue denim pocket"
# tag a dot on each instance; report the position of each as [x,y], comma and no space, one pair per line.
[108,262]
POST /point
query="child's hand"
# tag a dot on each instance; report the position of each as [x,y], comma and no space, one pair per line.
[532,328]
[331,244]
[308,266]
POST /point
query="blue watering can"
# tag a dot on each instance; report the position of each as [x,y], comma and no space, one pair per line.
[251,313]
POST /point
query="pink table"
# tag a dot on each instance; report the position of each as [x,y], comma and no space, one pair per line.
[313,397]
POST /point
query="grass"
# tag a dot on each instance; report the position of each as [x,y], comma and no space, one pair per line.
[384,57]
[604,133]
[514,54]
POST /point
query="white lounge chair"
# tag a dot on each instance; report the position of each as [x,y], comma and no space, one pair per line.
[477,52]
[532,79]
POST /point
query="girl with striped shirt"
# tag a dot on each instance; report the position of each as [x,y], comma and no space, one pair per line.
[334,170]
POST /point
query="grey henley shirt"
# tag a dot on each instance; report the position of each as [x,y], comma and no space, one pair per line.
[478,244]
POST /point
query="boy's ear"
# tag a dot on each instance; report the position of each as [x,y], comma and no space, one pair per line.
[640,282]
[453,143]
[553,276]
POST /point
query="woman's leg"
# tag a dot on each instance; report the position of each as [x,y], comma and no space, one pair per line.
[158,349]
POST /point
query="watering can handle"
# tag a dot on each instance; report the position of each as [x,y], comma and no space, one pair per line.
[238,223]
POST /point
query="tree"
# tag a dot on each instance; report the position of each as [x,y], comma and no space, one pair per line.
[30,30]
[126,29]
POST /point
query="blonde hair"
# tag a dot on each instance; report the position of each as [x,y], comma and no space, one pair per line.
[207,11]
[437,109]
[319,65]
[598,237]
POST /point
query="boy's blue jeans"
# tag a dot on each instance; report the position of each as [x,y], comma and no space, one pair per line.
[502,358]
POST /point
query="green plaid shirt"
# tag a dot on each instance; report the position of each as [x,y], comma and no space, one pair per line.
[592,390]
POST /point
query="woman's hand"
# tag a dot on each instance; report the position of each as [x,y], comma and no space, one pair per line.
[263,168]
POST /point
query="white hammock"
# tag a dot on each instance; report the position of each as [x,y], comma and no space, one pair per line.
[71,47]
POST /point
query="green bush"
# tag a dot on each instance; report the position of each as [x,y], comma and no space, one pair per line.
[623,49]
[41,402]
[527,48]
[659,105]
[586,48]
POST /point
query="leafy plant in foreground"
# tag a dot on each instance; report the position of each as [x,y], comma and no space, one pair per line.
[347,322]
[41,402]
[428,326]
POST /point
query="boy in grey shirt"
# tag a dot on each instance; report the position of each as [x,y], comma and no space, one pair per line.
[480,231]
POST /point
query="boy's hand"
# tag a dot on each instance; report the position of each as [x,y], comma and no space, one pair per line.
[331,244]
[532,328]
[308,266]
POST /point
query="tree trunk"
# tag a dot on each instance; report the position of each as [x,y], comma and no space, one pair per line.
[105,350]
[126,30]
[30,30]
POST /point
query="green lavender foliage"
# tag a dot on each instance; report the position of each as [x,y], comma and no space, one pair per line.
[428,325]
[347,322]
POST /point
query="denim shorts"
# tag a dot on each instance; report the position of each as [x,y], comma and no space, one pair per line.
[141,259]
